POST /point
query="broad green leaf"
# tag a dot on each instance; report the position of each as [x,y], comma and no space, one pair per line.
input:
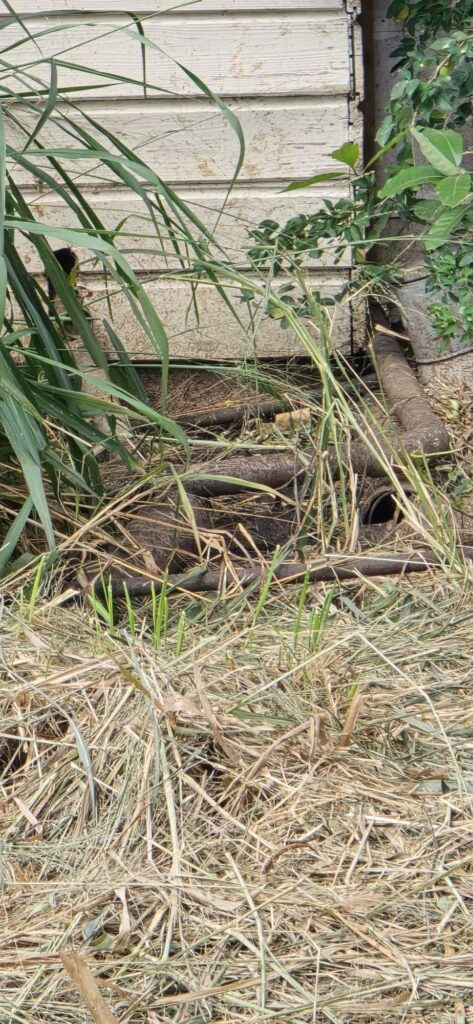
[410,177]
[3,177]
[74,237]
[428,209]
[228,114]
[140,30]
[399,89]
[59,280]
[28,443]
[347,154]
[8,388]
[71,195]
[315,180]
[384,131]
[3,286]
[127,368]
[35,314]
[143,410]
[442,149]
[20,21]
[120,164]
[399,10]
[160,200]
[442,230]
[86,214]
[102,155]
[452,191]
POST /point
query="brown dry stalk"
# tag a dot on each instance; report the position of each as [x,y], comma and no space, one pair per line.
[263,759]
[206,993]
[290,845]
[212,719]
[351,720]
[86,985]
[459,1005]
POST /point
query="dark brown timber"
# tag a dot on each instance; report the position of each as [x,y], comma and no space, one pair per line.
[348,568]
[424,433]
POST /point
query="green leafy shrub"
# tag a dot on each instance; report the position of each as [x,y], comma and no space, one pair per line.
[429,184]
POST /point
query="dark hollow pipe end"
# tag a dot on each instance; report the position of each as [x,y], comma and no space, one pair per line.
[382,507]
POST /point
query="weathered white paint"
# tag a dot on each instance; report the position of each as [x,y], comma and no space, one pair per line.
[285,66]
[173,7]
[215,334]
[235,55]
[187,141]
[245,207]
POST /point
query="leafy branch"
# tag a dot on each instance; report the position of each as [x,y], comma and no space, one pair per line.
[429,186]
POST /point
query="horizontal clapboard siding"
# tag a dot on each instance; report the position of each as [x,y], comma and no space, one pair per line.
[187,142]
[216,334]
[244,209]
[235,55]
[181,7]
[285,67]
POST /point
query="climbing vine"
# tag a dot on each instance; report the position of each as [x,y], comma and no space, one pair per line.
[428,189]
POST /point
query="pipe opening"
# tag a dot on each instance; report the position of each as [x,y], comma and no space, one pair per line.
[382,508]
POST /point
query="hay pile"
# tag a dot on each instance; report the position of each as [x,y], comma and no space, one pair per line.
[273,824]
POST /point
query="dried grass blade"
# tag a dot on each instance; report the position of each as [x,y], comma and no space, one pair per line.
[86,985]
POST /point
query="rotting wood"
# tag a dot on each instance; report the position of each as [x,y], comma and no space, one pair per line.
[163,534]
[241,473]
[174,531]
[349,568]
[424,433]
[221,417]
[381,504]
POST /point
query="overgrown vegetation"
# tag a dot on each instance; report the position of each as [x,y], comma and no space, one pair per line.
[240,807]
[49,426]
[428,191]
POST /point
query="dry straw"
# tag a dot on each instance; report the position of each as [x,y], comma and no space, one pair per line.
[265,827]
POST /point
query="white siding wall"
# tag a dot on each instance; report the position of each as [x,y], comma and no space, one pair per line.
[285,66]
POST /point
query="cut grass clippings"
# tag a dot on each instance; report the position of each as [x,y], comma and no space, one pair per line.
[268,824]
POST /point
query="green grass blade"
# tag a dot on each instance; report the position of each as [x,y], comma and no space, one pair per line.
[230,117]
[13,534]
[3,268]
[14,17]
[48,109]
[28,448]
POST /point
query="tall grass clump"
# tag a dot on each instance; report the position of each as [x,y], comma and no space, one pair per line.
[49,426]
